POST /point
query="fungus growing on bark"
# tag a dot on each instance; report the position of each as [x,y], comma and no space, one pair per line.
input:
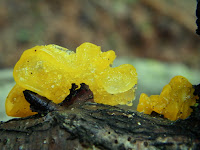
[51,70]
[173,103]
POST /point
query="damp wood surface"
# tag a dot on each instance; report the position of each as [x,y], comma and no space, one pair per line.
[96,126]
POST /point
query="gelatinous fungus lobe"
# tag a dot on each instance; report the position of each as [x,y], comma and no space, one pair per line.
[50,71]
[174,102]
[16,104]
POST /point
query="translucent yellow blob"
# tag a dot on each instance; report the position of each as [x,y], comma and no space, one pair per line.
[15,101]
[50,70]
[174,101]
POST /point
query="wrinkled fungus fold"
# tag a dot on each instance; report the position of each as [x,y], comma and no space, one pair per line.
[174,102]
[50,71]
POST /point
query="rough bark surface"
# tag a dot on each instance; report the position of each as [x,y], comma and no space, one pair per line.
[96,126]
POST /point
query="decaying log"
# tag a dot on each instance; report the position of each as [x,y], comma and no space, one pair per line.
[96,126]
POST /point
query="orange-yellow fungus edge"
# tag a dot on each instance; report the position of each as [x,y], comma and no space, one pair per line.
[50,70]
[14,102]
[173,103]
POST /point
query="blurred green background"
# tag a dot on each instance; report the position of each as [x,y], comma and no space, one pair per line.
[157,37]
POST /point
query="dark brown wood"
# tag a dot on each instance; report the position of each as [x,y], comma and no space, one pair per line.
[96,126]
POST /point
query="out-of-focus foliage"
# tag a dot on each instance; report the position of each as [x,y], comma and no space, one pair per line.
[163,30]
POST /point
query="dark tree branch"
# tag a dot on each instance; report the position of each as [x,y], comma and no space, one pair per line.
[94,125]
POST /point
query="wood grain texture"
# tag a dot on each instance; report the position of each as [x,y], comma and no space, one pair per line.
[96,126]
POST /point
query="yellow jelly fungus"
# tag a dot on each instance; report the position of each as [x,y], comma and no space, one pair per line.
[174,101]
[15,101]
[50,70]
